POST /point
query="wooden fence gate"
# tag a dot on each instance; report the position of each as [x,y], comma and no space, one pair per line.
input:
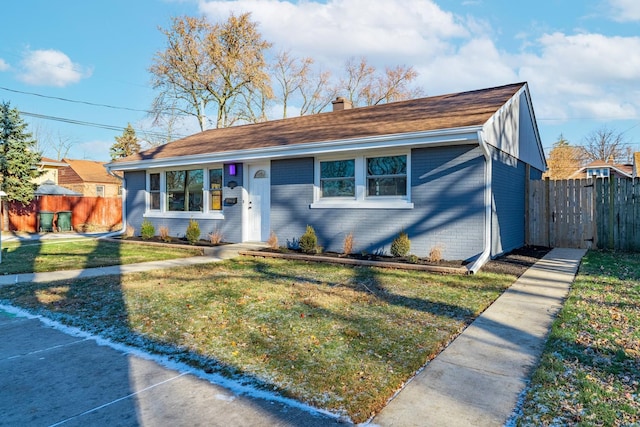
[584,213]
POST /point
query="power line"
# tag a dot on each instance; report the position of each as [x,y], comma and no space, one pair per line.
[96,125]
[75,101]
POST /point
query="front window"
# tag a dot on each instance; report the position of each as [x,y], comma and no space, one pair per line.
[100,190]
[154,191]
[379,180]
[215,189]
[387,176]
[337,178]
[184,190]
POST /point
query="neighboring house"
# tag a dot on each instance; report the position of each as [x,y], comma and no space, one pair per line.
[89,178]
[448,170]
[602,169]
[49,168]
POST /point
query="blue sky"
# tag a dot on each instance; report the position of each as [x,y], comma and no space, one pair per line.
[581,59]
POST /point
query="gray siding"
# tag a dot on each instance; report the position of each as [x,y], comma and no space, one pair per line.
[446,188]
[136,183]
[535,174]
[231,226]
[508,185]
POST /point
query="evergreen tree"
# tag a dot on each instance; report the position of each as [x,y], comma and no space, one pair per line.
[125,145]
[18,160]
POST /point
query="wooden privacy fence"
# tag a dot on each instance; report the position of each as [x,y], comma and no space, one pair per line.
[585,213]
[87,213]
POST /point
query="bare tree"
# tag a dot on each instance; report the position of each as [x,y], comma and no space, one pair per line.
[291,74]
[180,69]
[604,144]
[57,146]
[363,85]
[317,92]
[358,75]
[207,64]
[166,123]
[393,85]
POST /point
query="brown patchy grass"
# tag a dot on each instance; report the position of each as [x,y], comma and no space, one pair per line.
[340,338]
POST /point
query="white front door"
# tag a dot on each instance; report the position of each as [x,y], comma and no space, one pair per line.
[258,206]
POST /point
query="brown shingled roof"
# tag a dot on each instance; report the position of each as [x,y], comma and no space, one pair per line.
[91,171]
[456,110]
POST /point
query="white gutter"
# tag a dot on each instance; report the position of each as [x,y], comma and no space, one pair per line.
[486,253]
[124,206]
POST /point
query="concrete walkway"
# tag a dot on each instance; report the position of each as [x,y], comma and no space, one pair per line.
[211,254]
[477,379]
[64,377]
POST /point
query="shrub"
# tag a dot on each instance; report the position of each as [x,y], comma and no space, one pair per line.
[164,234]
[347,246]
[435,254]
[216,237]
[147,230]
[309,241]
[401,245]
[272,241]
[193,232]
[413,259]
[128,232]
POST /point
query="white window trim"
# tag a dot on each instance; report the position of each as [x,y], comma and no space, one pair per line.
[206,213]
[361,200]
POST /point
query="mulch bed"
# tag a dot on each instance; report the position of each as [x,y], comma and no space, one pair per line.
[515,262]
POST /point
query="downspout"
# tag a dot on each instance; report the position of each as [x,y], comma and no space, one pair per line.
[124,206]
[486,253]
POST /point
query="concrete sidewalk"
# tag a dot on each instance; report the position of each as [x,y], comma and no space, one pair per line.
[211,254]
[51,377]
[478,378]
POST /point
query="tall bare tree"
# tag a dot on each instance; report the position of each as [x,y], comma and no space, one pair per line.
[291,74]
[363,85]
[317,93]
[211,65]
[179,71]
[604,144]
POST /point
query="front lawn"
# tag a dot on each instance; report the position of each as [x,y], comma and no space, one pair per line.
[340,338]
[590,370]
[54,255]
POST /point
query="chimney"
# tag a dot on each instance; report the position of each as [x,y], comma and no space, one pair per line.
[341,103]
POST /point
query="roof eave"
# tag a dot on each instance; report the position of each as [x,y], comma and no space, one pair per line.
[452,136]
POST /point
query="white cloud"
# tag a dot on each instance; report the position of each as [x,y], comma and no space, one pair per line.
[50,68]
[571,75]
[332,32]
[585,75]
[3,65]
[625,10]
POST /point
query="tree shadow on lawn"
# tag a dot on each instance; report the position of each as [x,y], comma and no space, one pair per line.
[98,306]
[382,344]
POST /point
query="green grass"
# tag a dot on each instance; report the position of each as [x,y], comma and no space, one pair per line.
[590,370]
[52,255]
[339,338]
